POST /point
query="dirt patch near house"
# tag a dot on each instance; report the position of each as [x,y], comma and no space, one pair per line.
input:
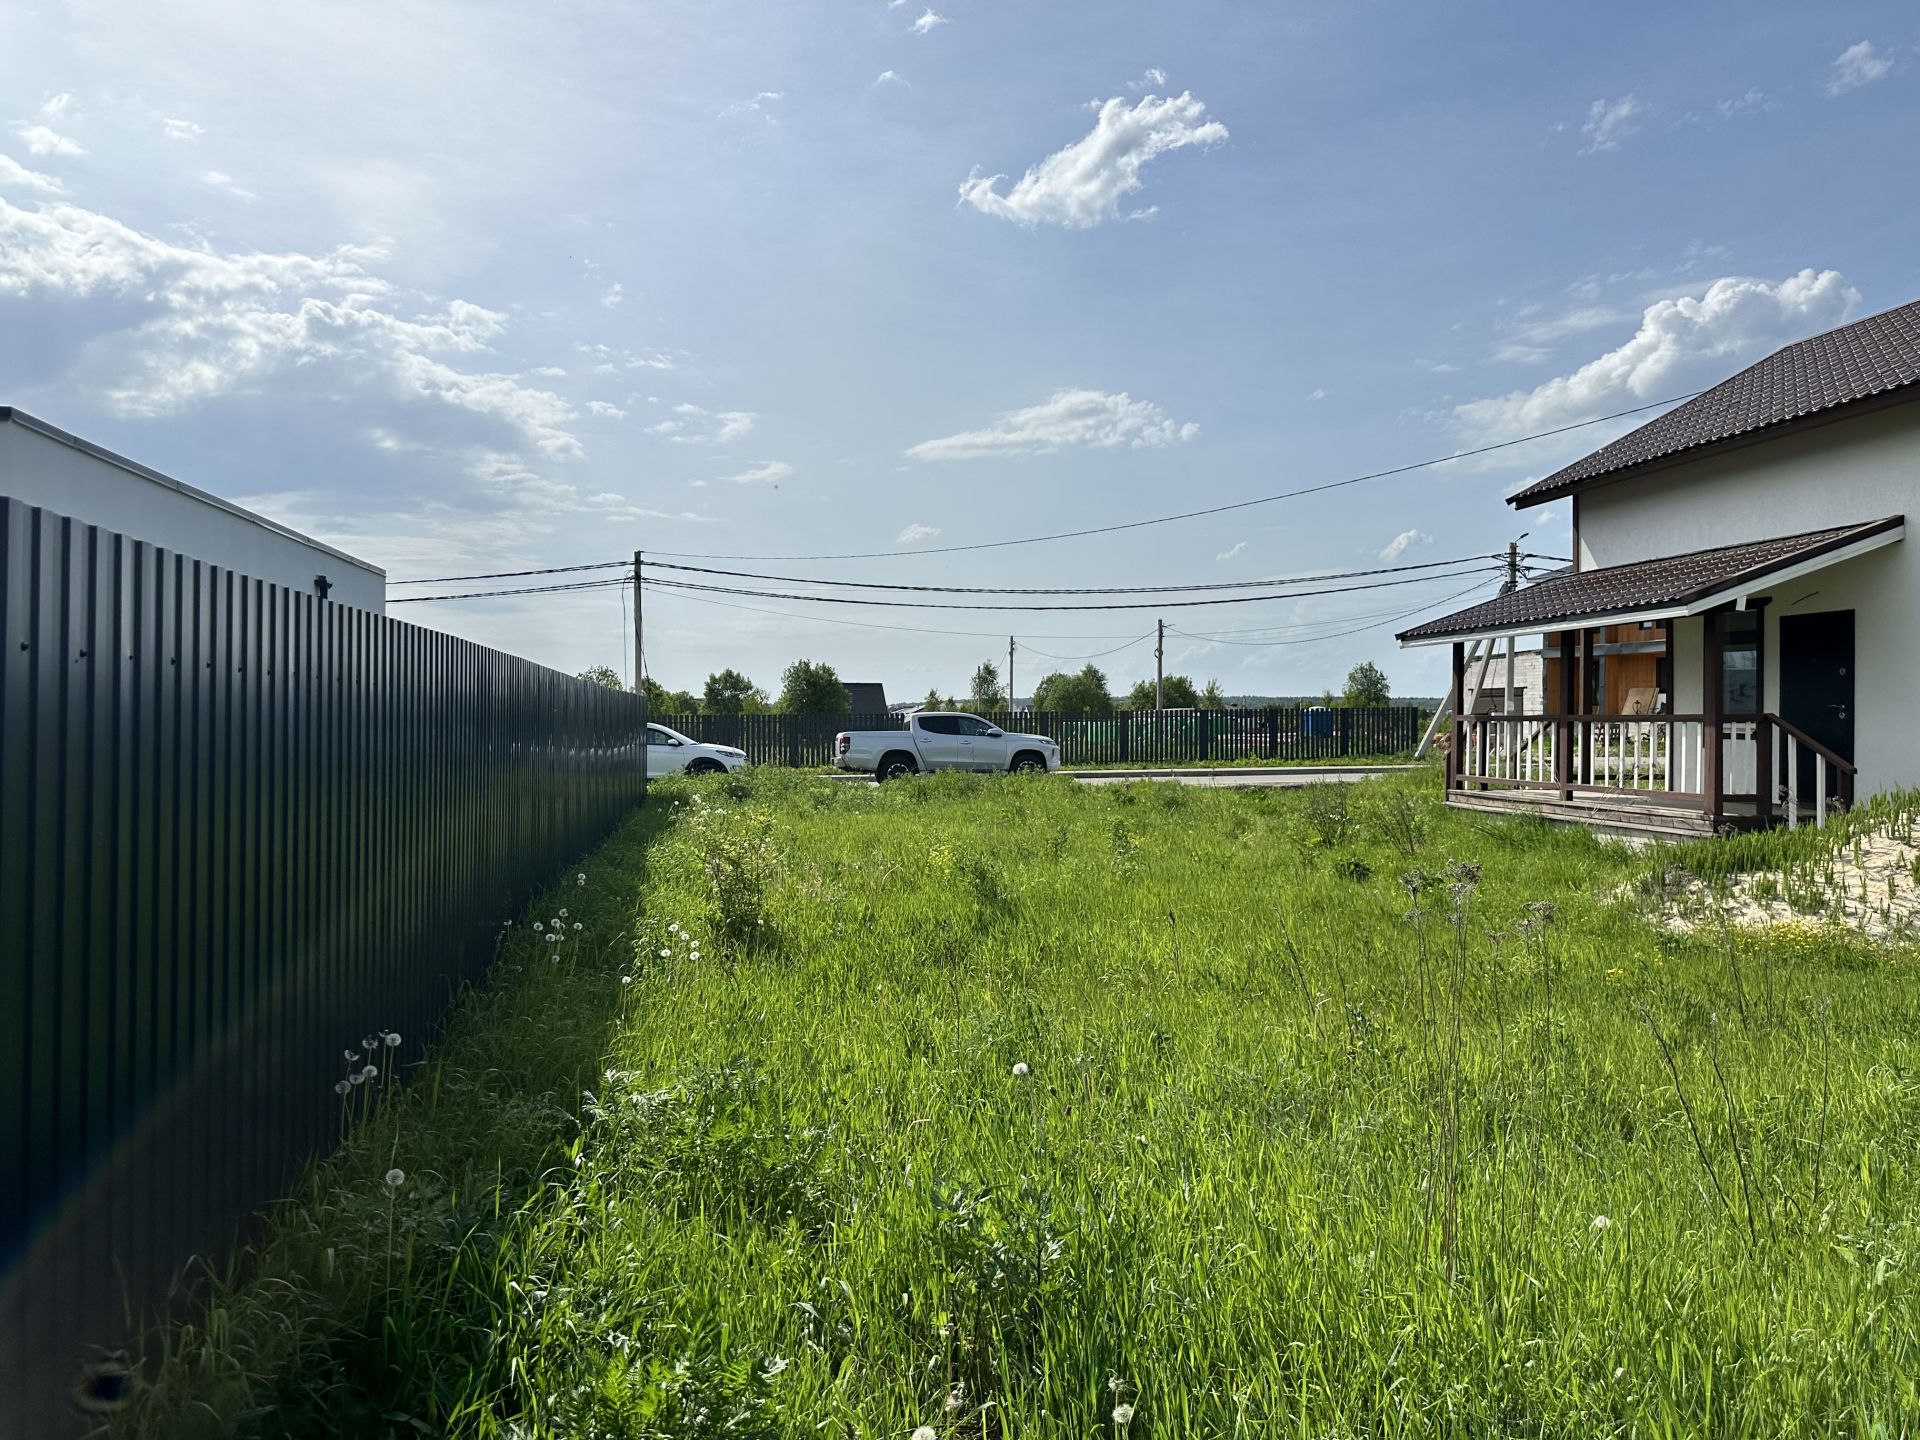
[1869,883]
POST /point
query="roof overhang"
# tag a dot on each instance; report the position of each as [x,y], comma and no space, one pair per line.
[1736,592]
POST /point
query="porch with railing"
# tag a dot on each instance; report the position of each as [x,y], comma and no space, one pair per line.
[1763,770]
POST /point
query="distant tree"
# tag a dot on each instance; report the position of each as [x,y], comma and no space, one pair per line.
[1366,686]
[935,701]
[809,687]
[984,691]
[603,675]
[1084,693]
[662,701]
[1211,698]
[1178,690]
[728,692]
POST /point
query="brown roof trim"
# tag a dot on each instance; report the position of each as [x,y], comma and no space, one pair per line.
[1662,585]
[1539,493]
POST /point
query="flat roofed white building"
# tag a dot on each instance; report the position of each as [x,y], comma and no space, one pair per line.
[44,466]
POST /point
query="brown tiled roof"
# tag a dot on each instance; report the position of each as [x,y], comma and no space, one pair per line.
[1870,357]
[1572,596]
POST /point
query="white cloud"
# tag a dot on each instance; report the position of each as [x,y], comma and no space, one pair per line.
[924,25]
[220,180]
[1751,103]
[195,323]
[606,410]
[762,473]
[1152,77]
[1609,122]
[691,425]
[54,106]
[756,106]
[914,534]
[1404,542]
[1319,392]
[1681,342]
[889,77]
[12,172]
[175,129]
[615,293]
[1238,548]
[1070,417]
[1084,184]
[1853,67]
[39,140]
[548,372]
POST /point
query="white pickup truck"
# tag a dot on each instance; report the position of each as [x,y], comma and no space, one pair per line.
[942,740]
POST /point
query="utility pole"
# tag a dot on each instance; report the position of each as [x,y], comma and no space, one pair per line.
[639,644]
[1160,665]
[1507,587]
[1010,674]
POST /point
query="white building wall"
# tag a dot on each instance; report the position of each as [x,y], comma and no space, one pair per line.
[45,468]
[1850,471]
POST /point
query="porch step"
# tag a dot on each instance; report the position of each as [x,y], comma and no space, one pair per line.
[1650,819]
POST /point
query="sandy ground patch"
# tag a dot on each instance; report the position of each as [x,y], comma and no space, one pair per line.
[1871,884]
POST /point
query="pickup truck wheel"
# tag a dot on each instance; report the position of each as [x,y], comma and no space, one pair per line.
[705,766]
[895,765]
[1026,762]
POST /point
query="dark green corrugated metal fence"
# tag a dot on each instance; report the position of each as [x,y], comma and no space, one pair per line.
[1141,737]
[239,829]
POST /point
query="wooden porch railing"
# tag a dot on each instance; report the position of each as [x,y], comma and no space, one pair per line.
[1659,758]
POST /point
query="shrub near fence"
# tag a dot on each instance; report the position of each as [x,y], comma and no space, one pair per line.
[240,829]
[1139,737]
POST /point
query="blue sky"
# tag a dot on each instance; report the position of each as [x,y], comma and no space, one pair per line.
[490,287]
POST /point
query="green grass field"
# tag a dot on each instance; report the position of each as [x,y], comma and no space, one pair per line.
[1008,1107]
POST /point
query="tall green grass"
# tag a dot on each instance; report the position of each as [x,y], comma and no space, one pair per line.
[1009,1107]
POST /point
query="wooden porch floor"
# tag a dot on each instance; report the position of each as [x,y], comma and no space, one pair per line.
[1650,816]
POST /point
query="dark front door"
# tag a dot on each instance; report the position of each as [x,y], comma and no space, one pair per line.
[1816,683]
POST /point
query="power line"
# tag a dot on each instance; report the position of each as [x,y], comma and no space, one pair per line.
[1098,655]
[879,625]
[1078,534]
[1071,590]
[519,574]
[1338,634]
[1211,510]
[999,605]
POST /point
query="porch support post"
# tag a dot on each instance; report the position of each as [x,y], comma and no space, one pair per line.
[1583,705]
[1563,703]
[1763,769]
[1459,724]
[1712,707]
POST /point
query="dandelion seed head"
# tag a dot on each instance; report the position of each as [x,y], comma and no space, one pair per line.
[578,926]
[1601,1222]
[396,1178]
[357,1077]
[926,1432]
[563,912]
[341,1087]
[665,952]
[393,1039]
[538,926]
[370,1071]
[1123,1414]
[1020,1067]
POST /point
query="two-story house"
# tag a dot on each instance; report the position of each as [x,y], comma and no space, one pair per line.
[1752,536]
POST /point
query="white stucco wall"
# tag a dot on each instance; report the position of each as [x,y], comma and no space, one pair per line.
[1843,473]
[71,478]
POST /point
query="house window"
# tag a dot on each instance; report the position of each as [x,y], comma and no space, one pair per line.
[1740,664]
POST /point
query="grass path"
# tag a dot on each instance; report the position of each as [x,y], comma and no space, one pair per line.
[1008,1107]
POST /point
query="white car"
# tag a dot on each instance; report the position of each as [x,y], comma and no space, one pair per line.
[669,753]
[942,740]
